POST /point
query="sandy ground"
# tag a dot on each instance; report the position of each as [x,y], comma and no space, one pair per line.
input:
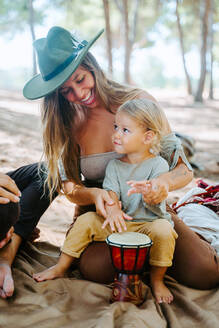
[21,144]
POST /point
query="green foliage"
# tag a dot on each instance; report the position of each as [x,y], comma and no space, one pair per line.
[156,21]
[190,21]
[14,17]
[86,17]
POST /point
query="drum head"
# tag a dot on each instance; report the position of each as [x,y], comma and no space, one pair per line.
[129,240]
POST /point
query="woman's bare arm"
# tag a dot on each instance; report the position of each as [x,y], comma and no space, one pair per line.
[179,177]
[82,195]
[159,187]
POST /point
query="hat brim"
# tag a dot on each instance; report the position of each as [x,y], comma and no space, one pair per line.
[37,88]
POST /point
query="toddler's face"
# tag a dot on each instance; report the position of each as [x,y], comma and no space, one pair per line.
[128,136]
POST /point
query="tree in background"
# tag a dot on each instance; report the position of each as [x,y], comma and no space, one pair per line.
[194,22]
[182,48]
[108,36]
[204,17]
[132,26]
[31,18]
[210,47]
[15,16]
[129,30]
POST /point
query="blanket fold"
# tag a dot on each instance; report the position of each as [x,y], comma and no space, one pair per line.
[74,302]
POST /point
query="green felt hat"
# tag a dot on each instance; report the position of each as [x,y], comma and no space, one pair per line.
[59,55]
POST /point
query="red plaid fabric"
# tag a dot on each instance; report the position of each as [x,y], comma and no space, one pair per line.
[209,198]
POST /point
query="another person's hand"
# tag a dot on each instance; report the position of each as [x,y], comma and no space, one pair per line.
[84,196]
[8,190]
[153,191]
[116,219]
[101,199]
[6,280]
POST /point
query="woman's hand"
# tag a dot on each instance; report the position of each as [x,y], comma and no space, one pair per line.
[101,199]
[153,191]
[116,219]
[8,190]
[82,195]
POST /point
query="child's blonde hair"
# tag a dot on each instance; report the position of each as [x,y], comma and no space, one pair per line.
[149,115]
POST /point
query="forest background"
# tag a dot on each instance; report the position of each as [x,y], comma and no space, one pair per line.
[151,43]
[168,47]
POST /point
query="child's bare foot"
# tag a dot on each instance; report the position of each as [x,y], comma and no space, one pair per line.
[161,293]
[49,274]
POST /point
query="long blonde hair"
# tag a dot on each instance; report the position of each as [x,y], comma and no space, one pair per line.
[62,119]
[149,115]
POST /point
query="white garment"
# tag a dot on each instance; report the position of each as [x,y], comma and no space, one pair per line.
[200,218]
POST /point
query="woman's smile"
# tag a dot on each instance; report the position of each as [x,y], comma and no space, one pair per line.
[90,99]
[80,88]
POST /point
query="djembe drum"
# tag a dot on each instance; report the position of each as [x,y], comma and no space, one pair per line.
[128,252]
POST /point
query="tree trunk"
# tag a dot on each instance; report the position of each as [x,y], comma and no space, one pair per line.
[135,21]
[31,24]
[211,42]
[129,31]
[127,43]
[182,48]
[108,36]
[204,14]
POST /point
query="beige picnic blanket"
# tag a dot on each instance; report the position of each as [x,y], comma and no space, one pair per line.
[74,302]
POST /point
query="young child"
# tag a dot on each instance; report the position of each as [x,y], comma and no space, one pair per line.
[8,216]
[137,138]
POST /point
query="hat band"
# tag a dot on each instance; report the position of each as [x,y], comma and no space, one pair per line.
[59,68]
[63,65]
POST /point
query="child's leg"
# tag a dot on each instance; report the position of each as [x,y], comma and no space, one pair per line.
[56,271]
[161,293]
[163,236]
[87,228]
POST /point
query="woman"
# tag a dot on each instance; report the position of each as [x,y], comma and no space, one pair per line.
[77,116]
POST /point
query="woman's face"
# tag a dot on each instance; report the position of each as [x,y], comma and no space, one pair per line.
[80,88]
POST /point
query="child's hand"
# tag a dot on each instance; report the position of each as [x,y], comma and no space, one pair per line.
[116,219]
[153,191]
[139,187]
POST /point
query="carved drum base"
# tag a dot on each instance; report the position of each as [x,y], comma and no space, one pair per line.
[127,288]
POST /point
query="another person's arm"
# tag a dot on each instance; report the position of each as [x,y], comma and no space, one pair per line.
[178,176]
[175,179]
[82,195]
[8,190]
[180,173]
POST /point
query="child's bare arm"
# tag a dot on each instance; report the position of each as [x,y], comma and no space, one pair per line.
[115,216]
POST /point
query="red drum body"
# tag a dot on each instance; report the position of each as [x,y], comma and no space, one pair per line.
[129,251]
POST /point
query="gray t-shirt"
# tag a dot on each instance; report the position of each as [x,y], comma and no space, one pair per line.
[119,172]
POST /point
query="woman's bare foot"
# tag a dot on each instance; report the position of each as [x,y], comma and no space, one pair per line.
[49,274]
[161,293]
